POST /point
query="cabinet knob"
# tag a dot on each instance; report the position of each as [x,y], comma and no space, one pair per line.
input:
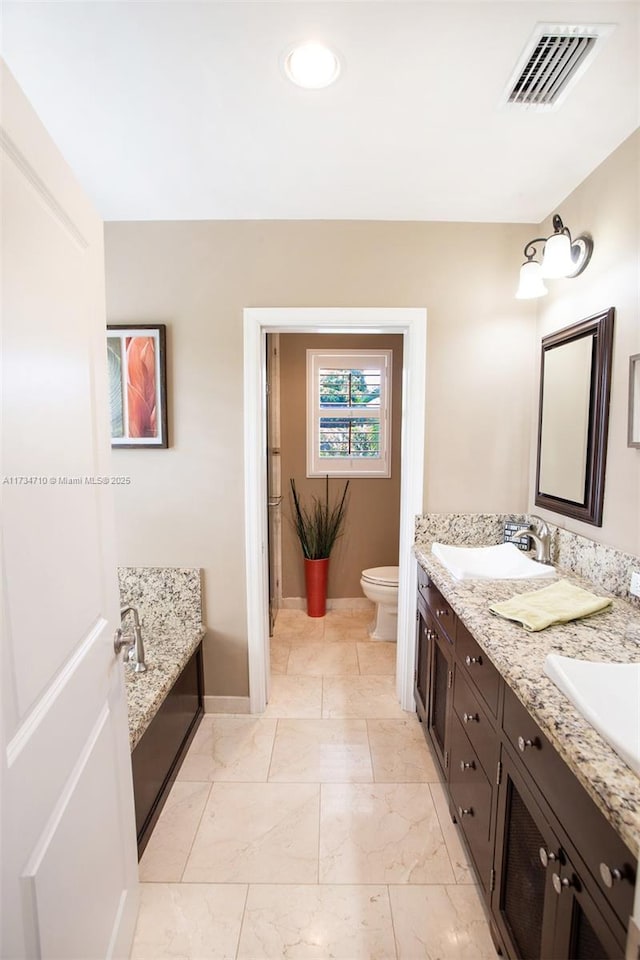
[524,744]
[465,812]
[608,875]
[546,857]
[467,765]
[441,613]
[470,660]
[560,884]
[470,717]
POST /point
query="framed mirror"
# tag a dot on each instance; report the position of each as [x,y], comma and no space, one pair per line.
[575,383]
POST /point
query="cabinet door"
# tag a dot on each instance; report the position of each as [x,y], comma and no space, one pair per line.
[598,844]
[524,902]
[582,932]
[441,683]
[421,678]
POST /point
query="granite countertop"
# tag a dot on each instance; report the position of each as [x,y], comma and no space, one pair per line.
[519,656]
[166,654]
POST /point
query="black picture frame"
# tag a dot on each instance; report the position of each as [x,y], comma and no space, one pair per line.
[137,371]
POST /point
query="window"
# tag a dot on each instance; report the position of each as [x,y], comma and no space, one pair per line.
[349,413]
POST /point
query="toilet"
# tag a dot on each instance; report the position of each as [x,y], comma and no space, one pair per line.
[380,585]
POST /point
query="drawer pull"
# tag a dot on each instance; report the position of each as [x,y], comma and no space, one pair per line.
[561,884]
[442,613]
[546,857]
[465,812]
[470,717]
[525,744]
[468,765]
[470,660]
[608,875]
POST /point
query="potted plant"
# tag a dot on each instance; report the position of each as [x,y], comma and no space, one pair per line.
[318,529]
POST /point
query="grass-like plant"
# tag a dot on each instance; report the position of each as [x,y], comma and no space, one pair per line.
[319,528]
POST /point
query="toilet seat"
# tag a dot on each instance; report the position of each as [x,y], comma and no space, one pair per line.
[384,576]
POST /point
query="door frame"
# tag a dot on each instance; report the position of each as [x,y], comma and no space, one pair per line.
[411,322]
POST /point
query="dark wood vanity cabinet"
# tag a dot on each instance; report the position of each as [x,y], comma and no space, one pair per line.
[456,698]
[434,669]
[543,852]
[158,755]
[544,903]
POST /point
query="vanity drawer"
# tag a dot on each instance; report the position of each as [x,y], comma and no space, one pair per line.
[471,793]
[588,835]
[477,666]
[531,746]
[440,609]
[475,722]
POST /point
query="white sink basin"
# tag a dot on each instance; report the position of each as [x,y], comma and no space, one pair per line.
[501,562]
[608,697]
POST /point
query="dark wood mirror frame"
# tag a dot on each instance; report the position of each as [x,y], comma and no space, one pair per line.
[600,328]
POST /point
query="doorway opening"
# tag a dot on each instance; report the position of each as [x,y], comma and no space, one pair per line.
[258,322]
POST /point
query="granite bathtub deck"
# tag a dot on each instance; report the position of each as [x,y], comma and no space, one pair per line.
[519,656]
[167,654]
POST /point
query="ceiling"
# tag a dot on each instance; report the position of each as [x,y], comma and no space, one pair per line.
[180,110]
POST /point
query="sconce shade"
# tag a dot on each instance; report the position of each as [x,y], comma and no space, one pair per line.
[531,284]
[562,257]
[557,261]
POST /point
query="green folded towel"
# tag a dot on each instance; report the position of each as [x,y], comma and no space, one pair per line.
[558,603]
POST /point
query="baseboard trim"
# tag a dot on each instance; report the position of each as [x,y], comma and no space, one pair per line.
[235,705]
[333,603]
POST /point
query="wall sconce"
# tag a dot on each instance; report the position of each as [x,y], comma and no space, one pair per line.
[561,257]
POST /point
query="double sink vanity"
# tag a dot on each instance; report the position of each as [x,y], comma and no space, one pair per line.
[549,812]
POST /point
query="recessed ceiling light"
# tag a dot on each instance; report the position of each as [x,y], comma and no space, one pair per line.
[312,65]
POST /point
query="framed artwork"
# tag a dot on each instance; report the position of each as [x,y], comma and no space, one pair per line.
[137,385]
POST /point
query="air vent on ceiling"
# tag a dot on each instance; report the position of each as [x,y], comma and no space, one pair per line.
[553,60]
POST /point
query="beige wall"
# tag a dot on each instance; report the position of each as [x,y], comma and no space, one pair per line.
[606,205]
[372,527]
[185,505]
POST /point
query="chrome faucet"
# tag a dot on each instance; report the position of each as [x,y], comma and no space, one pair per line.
[540,536]
[135,653]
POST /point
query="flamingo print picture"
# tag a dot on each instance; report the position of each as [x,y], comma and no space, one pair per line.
[137,385]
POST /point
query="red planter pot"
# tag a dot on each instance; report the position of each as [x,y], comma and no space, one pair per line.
[315,576]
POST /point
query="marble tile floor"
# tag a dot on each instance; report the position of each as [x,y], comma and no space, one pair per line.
[316,830]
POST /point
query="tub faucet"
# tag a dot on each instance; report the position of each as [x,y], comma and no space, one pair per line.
[540,536]
[135,653]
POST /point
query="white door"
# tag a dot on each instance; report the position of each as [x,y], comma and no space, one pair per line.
[69,870]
